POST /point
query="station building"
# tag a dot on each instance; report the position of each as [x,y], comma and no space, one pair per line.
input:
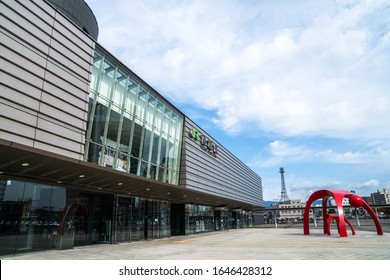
[90,153]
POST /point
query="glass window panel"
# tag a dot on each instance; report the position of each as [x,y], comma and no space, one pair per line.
[126,128]
[146,144]
[109,69]
[158,120]
[129,100]
[163,152]
[149,116]
[111,151]
[173,130]
[140,112]
[119,93]
[105,87]
[160,107]
[97,128]
[14,190]
[131,84]
[168,112]
[135,90]
[143,169]
[152,101]
[171,162]
[143,95]
[122,159]
[121,77]
[133,165]
[156,141]
[135,149]
[97,61]
[165,127]
[153,171]
[30,216]
[114,125]
[108,154]
[162,175]
[94,79]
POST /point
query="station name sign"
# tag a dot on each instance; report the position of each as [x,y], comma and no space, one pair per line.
[206,144]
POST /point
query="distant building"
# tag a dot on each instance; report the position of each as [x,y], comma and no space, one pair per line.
[290,211]
[368,199]
[381,197]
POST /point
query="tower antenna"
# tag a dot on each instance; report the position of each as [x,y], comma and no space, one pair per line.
[283,195]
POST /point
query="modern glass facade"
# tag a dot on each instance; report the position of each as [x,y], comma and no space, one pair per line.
[140,219]
[199,218]
[36,217]
[130,127]
[71,108]
[30,216]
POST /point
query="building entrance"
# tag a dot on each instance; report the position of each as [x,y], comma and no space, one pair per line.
[222,218]
[140,219]
[129,219]
[86,219]
[178,219]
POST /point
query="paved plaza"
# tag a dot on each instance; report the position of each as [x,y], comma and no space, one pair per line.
[262,243]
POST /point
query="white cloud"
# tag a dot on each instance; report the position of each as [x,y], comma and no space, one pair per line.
[278,152]
[346,157]
[370,156]
[317,72]
[288,69]
[371,183]
[208,50]
[301,188]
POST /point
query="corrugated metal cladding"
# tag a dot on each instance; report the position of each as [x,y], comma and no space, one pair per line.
[46,70]
[221,174]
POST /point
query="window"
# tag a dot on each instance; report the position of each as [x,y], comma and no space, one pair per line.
[130,127]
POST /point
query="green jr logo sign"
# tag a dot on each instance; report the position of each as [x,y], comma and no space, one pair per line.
[205,143]
[194,134]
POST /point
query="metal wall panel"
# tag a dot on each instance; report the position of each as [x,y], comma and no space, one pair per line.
[19,98]
[20,71]
[222,174]
[24,127]
[46,61]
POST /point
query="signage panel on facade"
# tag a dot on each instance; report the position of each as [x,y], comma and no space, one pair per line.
[206,144]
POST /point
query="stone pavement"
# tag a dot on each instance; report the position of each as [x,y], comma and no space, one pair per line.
[242,244]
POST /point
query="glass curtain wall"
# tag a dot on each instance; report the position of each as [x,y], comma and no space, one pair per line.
[139,219]
[198,218]
[35,217]
[30,216]
[223,219]
[241,219]
[130,127]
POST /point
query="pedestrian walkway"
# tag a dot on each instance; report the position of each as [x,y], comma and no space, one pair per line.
[242,244]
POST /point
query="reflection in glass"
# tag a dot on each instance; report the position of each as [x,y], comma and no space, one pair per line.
[130,128]
[199,218]
[30,216]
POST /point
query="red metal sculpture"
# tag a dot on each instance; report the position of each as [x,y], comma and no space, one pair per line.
[335,217]
[354,200]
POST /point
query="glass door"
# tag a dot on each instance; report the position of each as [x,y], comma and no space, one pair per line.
[137,219]
[123,219]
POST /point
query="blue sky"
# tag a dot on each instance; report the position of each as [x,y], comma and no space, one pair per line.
[303,85]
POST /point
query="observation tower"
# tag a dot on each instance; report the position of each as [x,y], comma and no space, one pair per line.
[283,196]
